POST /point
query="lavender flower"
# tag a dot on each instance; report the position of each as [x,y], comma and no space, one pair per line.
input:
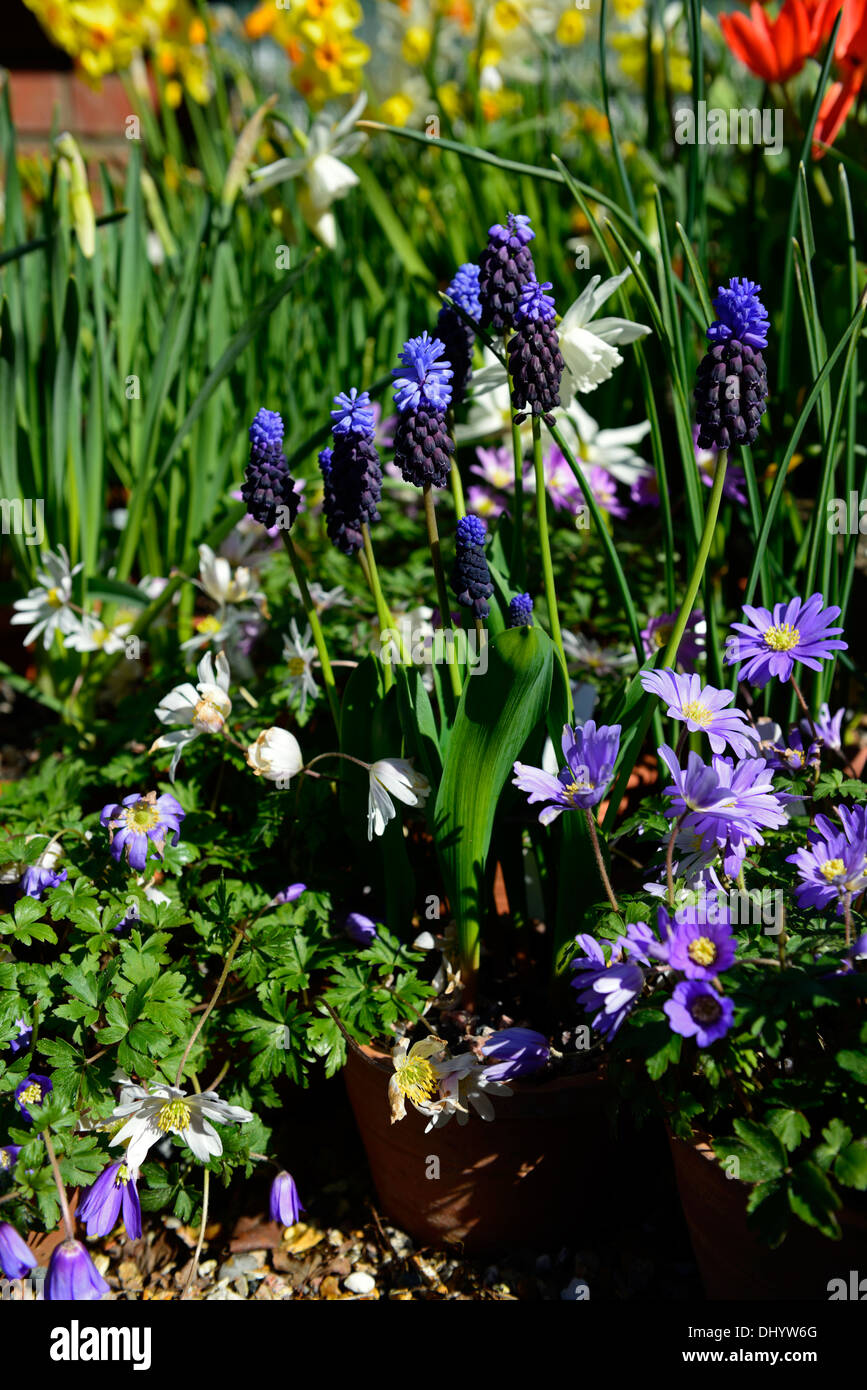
[36,879]
[140,821]
[16,1260]
[695,1010]
[519,1052]
[770,643]
[610,986]
[72,1276]
[114,1188]
[284,1204]
[33,1090]
[703,709]
[658,632]
[701,949]
[360,929]
[590,755]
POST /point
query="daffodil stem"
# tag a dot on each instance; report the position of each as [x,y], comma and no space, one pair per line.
[547,563]
[600,862]
[433,537]
[194,1263]
[227,965]
[315,628]
[61,1190]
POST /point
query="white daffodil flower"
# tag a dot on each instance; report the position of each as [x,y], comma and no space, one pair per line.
[90,635]
[393,777]
[590,352]
[147,1116]
[299,656]
[325,178]
[220,582]
[196,709]
[609,449]
[276,756]
[46,606]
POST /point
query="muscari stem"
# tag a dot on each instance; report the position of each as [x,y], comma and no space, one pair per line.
[545,548]
[315,628]
[600,862]
[433,537]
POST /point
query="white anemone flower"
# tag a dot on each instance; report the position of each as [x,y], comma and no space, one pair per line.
[90,635]
[46,606]
[590,351]
[604,661]
[195,709]
[220,582]
[276,756]
[325,178]
[393,777]
[463,1082]
[215,631]
[612,450]
[299,656]
[149,1115]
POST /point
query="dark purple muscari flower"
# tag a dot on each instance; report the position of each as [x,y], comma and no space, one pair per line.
[423,447]
[16,1260]
[360,929]
[520,611]
[9,1157]
[471,578]
[114,1188]
[72,1276]
[140,821]
[732,382]
[505,266]
[33,1090]
[769,644]
[352,472]
[590,755]
[269,488]
[285,1204]
[517,1052]
[695,1010]
[22,1041]
[289,894]
[610,986]
[453,330]
[35,880]
[535,361]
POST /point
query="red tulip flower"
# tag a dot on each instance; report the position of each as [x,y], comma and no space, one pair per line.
[850,61]
[774,49]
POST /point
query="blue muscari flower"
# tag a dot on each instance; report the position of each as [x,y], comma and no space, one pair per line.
[72,1276]
[535,305]
[464,290]
[269,488]
[426,383]
[472,530]
[15,1258]
[520,611]
[266,432]
[742,315]
[285,1204]
[115,1187]
[517,228]
[471,578]
[36,879]
[33,1090]
[354,414]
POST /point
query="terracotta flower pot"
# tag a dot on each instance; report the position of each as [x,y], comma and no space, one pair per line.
[540,1171]
[733,1262]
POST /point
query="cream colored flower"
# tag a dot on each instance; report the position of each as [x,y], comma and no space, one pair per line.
[199,709]
[393,777]
[276,756]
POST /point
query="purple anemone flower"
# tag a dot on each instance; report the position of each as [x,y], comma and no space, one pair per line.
[830,868]
[289,894]
[518,1052]
[829,726]
[139,820]
[284,1205]
[696,789]
[360,929]
[703,709]
[9,1157]
[701,950]
[770,643]
[33,1090]
[750,806]
[16,1260]
[21,1042]
[114,1188]
[72,1276]
[590,755]
[37,878]
[658,632]
[611,986]
[695,1010]
[794,755]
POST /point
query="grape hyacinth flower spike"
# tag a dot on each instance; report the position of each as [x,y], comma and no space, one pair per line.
[471,578]
[535,361]
[505,266]
[423,447]
[269,488]
[351,471]
[732,383]
[454,332]
[520,611]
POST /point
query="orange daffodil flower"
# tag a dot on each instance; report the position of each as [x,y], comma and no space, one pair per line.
[776,50]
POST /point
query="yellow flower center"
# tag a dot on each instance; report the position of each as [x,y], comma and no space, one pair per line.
[662,635]
[702,951]
[297,666]
[208,625]
[782,638]
[5,1160]
[698,712]
[416,1079]
[174,1115]
[832,868]
[121,1176]
[143,816]
[574,788]
[54,598]
[31,1095]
